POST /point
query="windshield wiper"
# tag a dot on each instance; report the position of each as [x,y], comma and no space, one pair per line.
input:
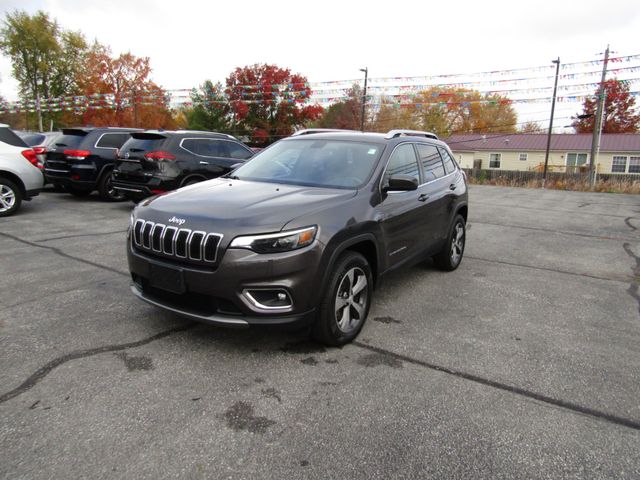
[232,177]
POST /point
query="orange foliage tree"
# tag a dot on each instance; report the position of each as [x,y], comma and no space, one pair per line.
[120,94]
[268,102]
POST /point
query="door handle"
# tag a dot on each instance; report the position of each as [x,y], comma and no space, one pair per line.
[423,197]
[452,186]
[204,163]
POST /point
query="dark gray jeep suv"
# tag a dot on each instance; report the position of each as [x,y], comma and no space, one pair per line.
[302,232]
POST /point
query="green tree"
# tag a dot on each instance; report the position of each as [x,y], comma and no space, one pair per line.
[210,110]
[45,58]
[345,113]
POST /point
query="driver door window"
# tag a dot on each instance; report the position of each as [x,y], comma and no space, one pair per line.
[403,161]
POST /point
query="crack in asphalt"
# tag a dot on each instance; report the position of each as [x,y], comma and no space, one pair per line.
[633,285]
[43,371]
[627,221]
[63,254]
[562,232]
[548,269]
[591,412]
[80,235]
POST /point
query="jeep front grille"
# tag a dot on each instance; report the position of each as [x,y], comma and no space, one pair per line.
[176,242]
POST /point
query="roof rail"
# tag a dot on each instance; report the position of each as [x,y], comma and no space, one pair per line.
[410,133]
[206,132]
[308,131]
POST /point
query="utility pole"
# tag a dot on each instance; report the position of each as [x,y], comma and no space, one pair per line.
[553,109]
[39,110]
[135,108]
[597,124]
[364,97]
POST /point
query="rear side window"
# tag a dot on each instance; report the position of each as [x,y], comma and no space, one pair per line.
[431,162]
[238,151]
[206,147]
[403,161]
[112,140]
[449,162]
[7,136]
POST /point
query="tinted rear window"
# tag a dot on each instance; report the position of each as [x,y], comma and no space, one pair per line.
[70,138]
[32,139]
[112,140]
[147,144]
[7,136]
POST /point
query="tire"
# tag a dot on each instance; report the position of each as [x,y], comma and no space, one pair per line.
[450,257]
[106,190]
[343,312]
[10,197]
[79,192]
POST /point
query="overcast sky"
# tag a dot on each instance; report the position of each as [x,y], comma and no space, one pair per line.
[189,41]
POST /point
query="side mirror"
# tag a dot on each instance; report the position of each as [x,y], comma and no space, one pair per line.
[401,183]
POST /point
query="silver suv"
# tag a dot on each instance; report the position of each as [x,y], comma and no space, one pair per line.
[20,177]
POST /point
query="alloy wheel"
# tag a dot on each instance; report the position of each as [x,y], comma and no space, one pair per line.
[351,300]
[7,198]
[457,244]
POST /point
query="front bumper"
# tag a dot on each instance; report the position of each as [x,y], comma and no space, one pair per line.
[217,295]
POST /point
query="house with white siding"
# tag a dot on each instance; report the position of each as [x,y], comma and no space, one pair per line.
[619,152]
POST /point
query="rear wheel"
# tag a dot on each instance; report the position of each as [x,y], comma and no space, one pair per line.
[450,256]
[10,197]
[345,304]
[106,190]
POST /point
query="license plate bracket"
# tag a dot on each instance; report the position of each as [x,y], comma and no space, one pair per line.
[167,278]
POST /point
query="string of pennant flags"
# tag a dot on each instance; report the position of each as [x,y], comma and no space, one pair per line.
[396,91]
[328,96]
[394,101]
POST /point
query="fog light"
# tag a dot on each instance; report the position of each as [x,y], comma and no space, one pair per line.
[268,299]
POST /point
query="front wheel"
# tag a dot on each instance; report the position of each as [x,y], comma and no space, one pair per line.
[10,197]
[449,258]
[345,303]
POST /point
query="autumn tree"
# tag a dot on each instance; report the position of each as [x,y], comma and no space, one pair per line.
[117,91]
[46,59]
[530,127]
[344,114]
[447,110]
[210,109]
[268,102]
[619,115]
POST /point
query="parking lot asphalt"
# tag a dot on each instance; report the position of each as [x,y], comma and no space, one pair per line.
[523,363]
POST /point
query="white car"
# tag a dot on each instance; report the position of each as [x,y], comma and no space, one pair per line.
[20,178]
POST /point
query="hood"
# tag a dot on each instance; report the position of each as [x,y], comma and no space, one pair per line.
[237,207]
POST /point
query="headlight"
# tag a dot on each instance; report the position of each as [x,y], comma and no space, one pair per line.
[276,242]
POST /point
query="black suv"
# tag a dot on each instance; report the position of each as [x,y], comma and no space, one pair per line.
[82,159]
[156,161]
[302,232]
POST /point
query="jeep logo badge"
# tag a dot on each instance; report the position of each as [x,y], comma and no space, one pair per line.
[179,221]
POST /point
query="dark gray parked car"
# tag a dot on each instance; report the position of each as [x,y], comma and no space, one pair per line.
[302,232]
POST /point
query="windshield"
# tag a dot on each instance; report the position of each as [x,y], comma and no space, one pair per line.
[318,163]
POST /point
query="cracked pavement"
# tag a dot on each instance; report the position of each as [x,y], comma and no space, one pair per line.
[524,363]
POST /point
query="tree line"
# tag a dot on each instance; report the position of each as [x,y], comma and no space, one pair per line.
[259,103]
